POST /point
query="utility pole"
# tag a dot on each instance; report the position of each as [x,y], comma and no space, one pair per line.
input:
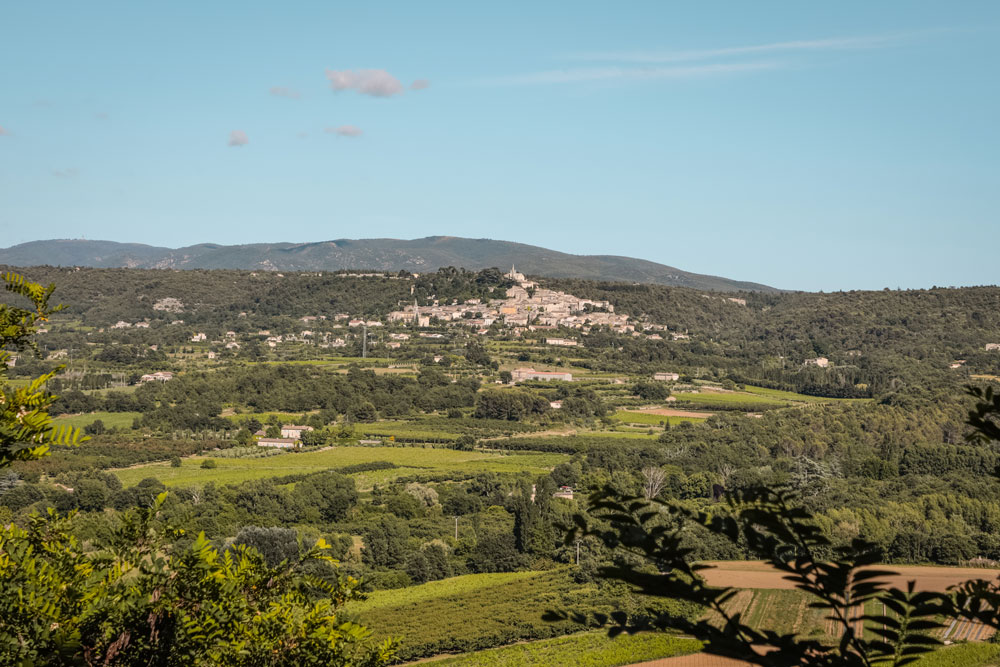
[578,552]
[456,527]
[364,342]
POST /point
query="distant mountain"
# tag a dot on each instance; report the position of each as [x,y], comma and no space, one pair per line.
[418,255]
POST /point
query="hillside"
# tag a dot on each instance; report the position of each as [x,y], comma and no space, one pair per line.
[418,255]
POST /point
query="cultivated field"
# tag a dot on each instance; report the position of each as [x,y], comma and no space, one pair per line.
[755,574]
[656,415]
[119,420]
[412,460]
[590,649]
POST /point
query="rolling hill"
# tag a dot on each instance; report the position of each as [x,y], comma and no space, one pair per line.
[418,255]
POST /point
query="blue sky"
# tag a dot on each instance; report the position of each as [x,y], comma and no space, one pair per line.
[814,146]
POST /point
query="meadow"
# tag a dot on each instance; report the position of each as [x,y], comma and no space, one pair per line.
[411,460]
[653,419]
[118,420]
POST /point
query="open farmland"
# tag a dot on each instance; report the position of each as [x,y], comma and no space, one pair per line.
[119,420]
[410,460]
[653,416]
[755,574]
[461,614]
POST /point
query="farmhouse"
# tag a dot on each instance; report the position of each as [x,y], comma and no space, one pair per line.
[564,342]
[280,443]
[159,376]
[822,362]
[990,347]
[666,377]
[531,374]
[293,431]
[565,492]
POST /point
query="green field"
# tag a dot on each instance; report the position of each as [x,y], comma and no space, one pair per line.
[630,417]
[477,612]
[729,398]
[963,655]
[412,460]
[590,649]
[792,396]
[461,585]
[119,420]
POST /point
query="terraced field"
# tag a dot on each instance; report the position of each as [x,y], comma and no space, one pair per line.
[476,612]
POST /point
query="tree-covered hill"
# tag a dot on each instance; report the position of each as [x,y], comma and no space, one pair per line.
[418,255]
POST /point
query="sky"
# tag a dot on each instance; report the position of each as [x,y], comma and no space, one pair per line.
[815,146]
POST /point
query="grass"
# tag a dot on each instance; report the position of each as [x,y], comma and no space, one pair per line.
[461,585]
[412,460]
[119,420]
[652,419]
[792,396]
[590,649]
[729,398]
[963,655]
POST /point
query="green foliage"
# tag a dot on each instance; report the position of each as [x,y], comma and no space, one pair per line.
[784,534]
[134,600]
[26,429]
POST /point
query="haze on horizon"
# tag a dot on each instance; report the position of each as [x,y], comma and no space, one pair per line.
[806,147]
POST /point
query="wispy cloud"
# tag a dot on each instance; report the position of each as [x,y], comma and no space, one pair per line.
[3,132]
[373,82]
[584,74]
[832,44]
[66,173]
[420,84]
[345,131]
[284,91]
[102,115]
[238,138]
[690,64]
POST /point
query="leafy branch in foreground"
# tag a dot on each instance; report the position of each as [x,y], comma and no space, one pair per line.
[768,522]
[26,429]
[843,581]
[134,601]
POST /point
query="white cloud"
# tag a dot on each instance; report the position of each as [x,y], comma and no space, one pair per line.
[284,91]
[3,132]
[66,173]
[345,131]
[373,82]
[832,44]
[420,84]
[584,74]
[238,138]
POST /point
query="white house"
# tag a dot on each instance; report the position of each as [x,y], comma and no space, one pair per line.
[280,443]
[293,431]
[666,377]
[532,374]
